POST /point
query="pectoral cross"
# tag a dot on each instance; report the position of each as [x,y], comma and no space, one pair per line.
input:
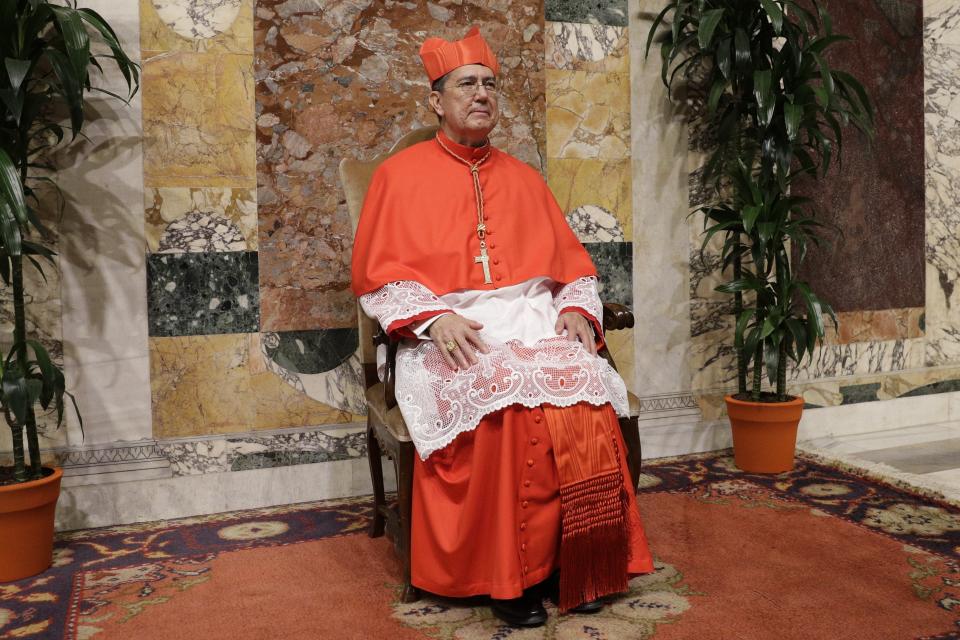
[484,259]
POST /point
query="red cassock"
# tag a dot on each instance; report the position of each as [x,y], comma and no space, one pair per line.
[497,510]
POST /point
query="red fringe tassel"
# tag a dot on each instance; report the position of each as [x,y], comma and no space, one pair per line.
[594,549]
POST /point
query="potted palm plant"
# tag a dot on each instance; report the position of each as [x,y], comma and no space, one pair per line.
[45,72]
[775,110]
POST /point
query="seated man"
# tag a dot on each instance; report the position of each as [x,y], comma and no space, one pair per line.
[463,253]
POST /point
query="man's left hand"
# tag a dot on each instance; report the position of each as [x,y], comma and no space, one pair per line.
[578,328]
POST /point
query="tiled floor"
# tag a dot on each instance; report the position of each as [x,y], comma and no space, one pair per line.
[928,452]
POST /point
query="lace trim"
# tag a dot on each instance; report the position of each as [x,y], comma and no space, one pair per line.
[401,300]
[582,293]
[438,403]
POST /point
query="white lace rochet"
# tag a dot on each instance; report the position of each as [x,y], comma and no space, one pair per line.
[439,403]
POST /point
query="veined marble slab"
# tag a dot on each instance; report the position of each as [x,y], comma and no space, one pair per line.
[587,47]
[88,506]
[196,19]
[886,438]
[193,456]
[941,21]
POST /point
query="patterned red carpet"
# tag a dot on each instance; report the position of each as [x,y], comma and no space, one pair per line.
[817,553]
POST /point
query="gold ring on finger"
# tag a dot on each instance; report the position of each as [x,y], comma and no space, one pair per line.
[451,345]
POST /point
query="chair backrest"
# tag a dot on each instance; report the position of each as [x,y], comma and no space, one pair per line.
[355,177]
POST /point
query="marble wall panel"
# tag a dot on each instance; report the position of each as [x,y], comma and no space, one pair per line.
[614,262]
[321,364]
[342,78]
[580,184]
[591,223]
[941,22]
[659,139]
[871,343]
[588,115]
[104,309]
[610,12]
[192,25]
[883,324]
[195,219]
[202,293]
[333,397]
[586,47]
[875,196]
[197,120]
[220,384]
[942,125]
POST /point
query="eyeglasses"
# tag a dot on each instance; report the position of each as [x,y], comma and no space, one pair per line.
[471,87]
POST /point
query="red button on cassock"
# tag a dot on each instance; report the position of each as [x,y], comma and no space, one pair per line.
[523,526]
[524,504]
[534,440]
[526,483]
[537,419]
[530,462]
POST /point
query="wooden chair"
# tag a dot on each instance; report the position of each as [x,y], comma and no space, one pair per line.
[386,431]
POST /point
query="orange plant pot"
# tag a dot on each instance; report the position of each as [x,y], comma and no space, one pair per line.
[26,526]
[764,434]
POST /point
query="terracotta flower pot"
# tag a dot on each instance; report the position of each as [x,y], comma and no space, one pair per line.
[26,526]
[764,433]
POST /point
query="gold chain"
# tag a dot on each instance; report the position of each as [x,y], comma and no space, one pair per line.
[478,193]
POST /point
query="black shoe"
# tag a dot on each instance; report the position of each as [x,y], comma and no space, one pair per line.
[525,611]
[594,606]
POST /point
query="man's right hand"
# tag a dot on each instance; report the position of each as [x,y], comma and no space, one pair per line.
[452,329]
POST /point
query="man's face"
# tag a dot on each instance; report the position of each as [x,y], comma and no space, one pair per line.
[468,103]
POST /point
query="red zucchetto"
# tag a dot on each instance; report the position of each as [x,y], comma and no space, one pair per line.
[440,56]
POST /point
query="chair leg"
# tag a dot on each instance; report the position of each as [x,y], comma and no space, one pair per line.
[630,428]
[404,464]
[376,477]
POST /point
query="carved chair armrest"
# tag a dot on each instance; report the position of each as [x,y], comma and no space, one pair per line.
[616,316]
[389,378]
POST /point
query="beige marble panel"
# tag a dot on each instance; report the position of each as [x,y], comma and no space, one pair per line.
[588,115]
[577,183]
[198,115]
[166,25]
[218,384]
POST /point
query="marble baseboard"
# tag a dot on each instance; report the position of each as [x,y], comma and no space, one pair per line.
[127,462]
[241,452]
[154,459]
[672,430]
[878,416]
[662,437]
[853,444]
[682,403]
[88,506]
